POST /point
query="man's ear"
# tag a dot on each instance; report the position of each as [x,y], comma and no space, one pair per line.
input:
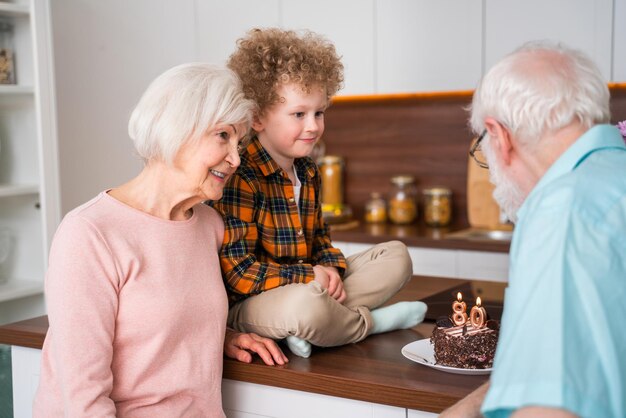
[500,138]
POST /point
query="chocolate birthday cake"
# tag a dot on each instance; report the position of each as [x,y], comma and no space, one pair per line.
[465,346]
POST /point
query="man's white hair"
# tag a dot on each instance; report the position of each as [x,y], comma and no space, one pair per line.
[181,104]
[541,88]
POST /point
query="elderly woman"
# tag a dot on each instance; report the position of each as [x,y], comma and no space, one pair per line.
[136,303]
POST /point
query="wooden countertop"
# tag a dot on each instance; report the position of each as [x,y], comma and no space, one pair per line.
[416,235]
[373,370]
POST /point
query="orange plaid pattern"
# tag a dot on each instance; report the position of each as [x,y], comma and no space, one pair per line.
[267,242]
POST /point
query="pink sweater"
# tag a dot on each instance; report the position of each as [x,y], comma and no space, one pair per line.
[137,313]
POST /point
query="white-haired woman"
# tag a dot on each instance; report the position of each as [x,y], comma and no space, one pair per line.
[136,303]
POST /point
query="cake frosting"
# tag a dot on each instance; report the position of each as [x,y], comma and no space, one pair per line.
[465,346]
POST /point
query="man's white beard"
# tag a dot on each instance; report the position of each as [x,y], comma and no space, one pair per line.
[507,193]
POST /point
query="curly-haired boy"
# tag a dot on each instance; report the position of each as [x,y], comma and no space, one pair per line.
[283,276]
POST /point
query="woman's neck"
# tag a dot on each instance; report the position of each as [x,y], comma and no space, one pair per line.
[154,191]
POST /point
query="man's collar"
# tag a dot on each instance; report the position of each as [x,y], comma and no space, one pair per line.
[596,138]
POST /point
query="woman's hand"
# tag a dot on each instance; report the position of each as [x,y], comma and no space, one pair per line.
[238,345]
[330,280]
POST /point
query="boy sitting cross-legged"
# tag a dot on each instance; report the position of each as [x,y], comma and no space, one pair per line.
[284,277]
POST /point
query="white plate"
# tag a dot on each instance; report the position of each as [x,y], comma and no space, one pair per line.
[421,351]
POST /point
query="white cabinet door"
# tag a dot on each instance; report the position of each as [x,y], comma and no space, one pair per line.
[26,367]
[619,49]
[480,265]
[425,45]
[246,400]
[462,264]
[412,413]
[581,24]
[433,262]
[351,248]
[349,24]
[218,24]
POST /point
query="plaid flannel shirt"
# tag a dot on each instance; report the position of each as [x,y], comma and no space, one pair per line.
[267,244]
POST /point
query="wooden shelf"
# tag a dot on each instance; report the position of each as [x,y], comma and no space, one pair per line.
[10,190]
[18,288]
[12,9]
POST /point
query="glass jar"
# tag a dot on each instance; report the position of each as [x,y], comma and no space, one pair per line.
[403,200]
[437,206]
[331,170]
[375,209]
[7,69]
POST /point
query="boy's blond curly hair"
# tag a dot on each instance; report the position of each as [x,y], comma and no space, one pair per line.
[268,58]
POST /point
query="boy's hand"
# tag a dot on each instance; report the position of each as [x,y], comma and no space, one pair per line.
[330,280]
[238,345]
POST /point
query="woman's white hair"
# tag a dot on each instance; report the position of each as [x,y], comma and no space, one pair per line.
[181,104]
[540,88]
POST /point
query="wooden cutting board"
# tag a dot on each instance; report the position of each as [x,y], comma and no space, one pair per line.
[482,210]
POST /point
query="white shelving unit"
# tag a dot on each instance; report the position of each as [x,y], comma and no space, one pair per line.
[29,191]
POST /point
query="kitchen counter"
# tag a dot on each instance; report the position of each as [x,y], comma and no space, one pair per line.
[416,235]
[373,370]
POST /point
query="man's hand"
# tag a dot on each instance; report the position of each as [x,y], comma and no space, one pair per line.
[329,279]
[238,345]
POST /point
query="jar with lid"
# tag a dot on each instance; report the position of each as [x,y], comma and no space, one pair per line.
[437,206]
[331,170]
[403,200]
[7,70]
[375,209]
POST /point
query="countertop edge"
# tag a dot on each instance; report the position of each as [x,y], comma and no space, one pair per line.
[371,371]
[416,237]
[359,390]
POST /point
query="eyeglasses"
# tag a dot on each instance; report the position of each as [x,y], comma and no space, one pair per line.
[476,153]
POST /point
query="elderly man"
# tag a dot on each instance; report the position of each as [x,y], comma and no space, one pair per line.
[560,173]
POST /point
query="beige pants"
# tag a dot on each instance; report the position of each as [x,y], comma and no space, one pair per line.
[308,312]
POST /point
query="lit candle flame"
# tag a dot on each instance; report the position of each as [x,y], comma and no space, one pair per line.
[478,301]
[459,297]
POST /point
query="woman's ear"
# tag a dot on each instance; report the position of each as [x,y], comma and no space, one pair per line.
[500,138]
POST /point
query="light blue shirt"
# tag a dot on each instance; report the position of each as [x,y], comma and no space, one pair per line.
[563,335]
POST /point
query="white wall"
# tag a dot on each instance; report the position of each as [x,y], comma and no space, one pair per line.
[106,53]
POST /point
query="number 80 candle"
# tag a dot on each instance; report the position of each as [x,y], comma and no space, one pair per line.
[459,310]
[478,315]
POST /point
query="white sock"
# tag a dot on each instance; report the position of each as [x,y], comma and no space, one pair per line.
[401,315]
[298,346]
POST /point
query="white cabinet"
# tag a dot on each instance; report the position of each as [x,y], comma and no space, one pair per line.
[434,262]
[349,25]
[619,50]
[425,45]
[240,399]
[248,400]
[29,207]
[412,413]
[462,264]
[581,24]
[481,265]
[25,368]
[220,23]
